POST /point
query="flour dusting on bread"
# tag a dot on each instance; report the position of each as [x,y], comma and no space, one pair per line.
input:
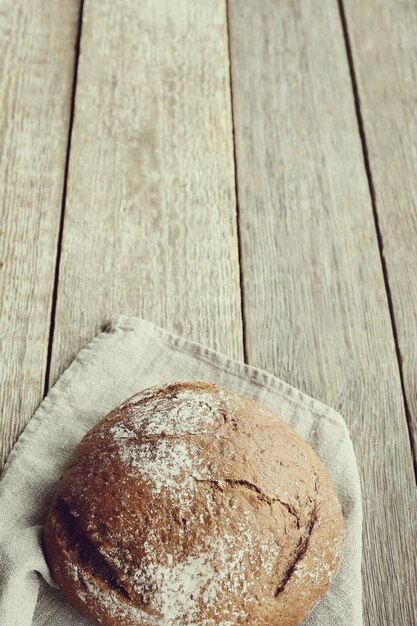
[192,505]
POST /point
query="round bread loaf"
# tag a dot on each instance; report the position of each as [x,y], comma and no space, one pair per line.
[189,505]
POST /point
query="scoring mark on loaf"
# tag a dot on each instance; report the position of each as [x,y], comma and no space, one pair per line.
[263,497]
[84,549]
[299,552]
[303,542]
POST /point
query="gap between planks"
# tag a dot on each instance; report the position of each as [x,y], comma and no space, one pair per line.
[64,196]
[238,225]
[367,164]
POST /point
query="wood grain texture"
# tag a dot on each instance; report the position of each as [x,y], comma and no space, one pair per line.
[383,36]
[316,309]
[150,220]
[36,73]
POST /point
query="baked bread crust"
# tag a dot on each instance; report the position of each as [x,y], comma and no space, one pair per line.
[191,505]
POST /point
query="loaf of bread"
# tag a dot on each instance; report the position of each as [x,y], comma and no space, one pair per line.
[189,505]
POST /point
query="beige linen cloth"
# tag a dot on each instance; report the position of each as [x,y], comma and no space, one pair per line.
[130,355]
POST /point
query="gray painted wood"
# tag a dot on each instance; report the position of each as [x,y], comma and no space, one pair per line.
[36,73]
[316,310]
[383,37]
[150,220]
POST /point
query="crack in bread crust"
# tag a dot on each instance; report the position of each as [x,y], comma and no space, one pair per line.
[78,542]
[303,543]
[300,551]
[246,484]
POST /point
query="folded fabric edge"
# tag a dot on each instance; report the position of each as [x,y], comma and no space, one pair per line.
[243,370]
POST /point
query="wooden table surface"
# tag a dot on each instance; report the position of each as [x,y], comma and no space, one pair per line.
[244,174]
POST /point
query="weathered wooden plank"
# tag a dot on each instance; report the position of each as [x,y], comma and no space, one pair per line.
[36,74]
[383,38]
[150,225]
[315,302]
